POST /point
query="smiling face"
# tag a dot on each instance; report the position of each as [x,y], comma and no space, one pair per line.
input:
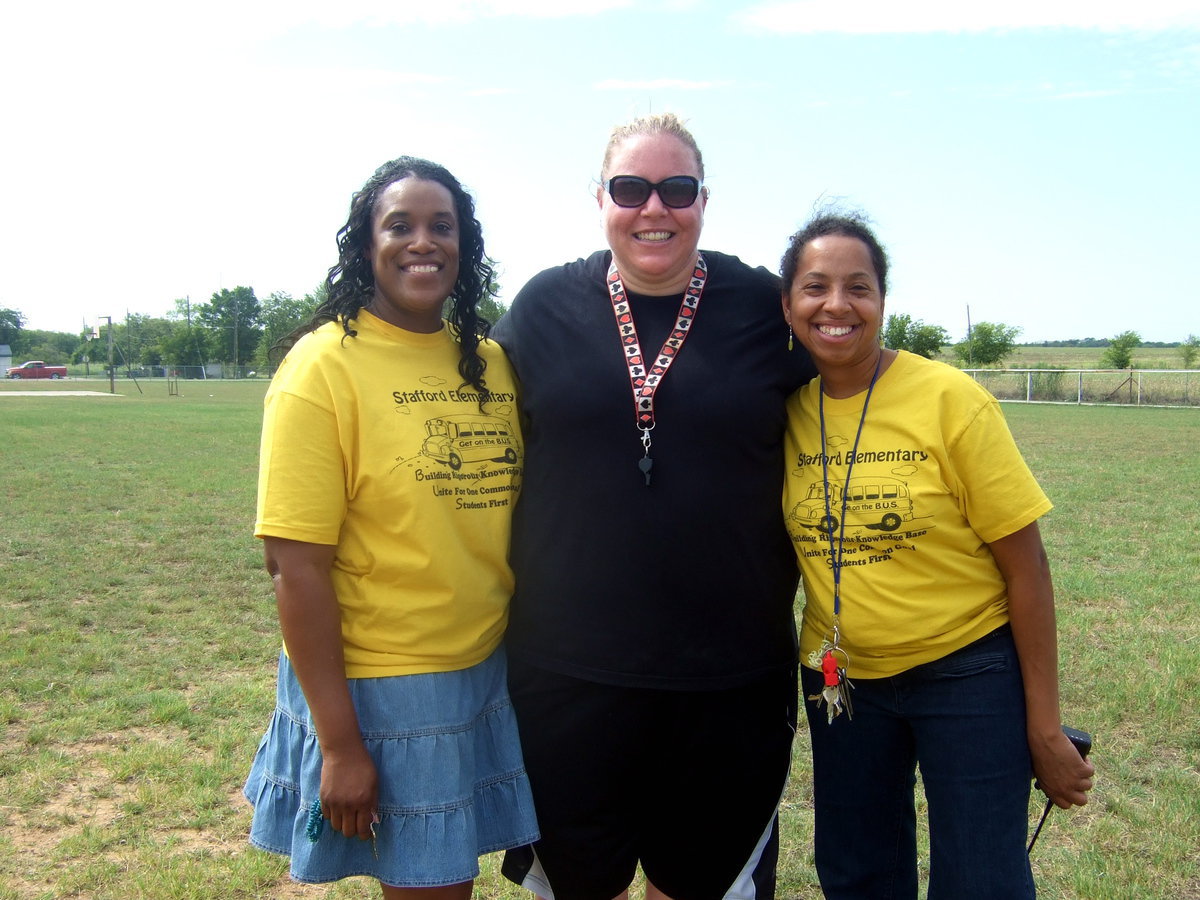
[654,246]
[835,308]
[414,253]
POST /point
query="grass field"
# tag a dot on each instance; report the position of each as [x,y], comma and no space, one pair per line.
[1027,357]
[138,640]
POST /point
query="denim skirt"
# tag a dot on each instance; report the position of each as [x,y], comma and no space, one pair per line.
[452,784]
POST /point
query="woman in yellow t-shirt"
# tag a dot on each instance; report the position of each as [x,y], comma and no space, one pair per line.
[391,459]
[929,614]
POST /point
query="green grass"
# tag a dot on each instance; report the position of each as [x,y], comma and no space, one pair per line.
[138,640]
[1033,357]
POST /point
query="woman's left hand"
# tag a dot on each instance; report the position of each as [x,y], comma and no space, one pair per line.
[1061,772]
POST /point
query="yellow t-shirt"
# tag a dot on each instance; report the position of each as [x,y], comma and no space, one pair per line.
[370,444]
[936,478]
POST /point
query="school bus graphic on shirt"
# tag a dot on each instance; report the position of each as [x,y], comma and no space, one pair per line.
[879,502]
[469,437]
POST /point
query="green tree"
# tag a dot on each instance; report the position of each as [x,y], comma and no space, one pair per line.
[184,310]
[11,323]
[492,309]
[136,342]
[901,332]
[55,347]
[928,340]
[1119,354]
[150,334]
[183,346]
[1189,350]
[139,340]
[281,315]
[231,320]
[895,331]
[987,344]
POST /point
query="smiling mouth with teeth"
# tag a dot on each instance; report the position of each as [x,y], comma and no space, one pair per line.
[835,330]
[653,235]
[423,268]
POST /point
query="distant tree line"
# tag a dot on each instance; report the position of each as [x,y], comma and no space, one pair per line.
[233,328]
[990,343]
[236,328]
[1101,342]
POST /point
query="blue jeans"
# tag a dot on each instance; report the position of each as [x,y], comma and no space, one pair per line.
[962,720]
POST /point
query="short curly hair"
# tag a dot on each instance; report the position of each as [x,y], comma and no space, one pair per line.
[846,224]
[350,284]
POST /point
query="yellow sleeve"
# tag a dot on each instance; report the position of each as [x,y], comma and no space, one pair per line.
[997,492]
[301,476]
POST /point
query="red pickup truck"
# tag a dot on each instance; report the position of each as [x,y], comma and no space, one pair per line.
[35,368]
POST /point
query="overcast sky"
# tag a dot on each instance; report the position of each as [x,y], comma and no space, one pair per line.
[1033,160]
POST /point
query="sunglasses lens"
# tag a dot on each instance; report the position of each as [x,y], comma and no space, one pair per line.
[629,190]
[679,192]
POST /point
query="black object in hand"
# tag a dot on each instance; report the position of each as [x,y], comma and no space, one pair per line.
[1081,739]
[1083,743]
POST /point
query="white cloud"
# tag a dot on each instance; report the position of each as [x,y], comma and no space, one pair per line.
[446,12]
[151,26]
[388,12]
[929,16]
[1085,95]
[657,84]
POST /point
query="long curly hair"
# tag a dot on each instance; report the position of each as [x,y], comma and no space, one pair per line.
[350,284]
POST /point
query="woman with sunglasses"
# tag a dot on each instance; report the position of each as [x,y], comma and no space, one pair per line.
[651,637]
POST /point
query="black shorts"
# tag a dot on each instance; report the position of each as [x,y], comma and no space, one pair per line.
[685,782]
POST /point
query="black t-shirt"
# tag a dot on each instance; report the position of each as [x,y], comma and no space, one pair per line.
[685,583]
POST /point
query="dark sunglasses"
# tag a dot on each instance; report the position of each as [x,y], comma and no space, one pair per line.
[677,192]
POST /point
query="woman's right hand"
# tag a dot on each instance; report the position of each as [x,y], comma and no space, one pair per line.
[349,791]
[310,618]
[1061,772]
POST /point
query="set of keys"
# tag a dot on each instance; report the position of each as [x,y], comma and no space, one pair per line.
[316,824]
[835,694]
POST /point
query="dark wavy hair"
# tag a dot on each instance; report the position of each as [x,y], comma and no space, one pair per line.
[350,284]
[846,224]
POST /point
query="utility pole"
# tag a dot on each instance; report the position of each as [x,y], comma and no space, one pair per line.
[235,336]
[112,383]
[970,340]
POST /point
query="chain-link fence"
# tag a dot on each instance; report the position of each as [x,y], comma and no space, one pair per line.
[1127,387]
[187,373]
